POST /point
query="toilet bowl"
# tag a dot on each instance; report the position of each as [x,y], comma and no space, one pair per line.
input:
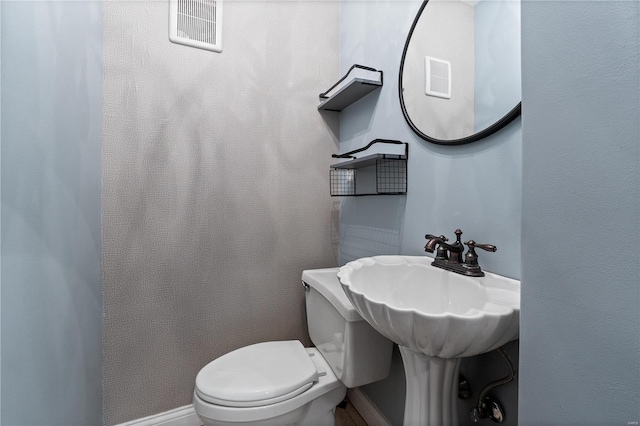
[284,383]
[315,402]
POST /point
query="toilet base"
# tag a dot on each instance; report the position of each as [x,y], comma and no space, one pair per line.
[290,418]
[318,412]
[322,411]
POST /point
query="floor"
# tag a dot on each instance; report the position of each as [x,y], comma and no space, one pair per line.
[346,415]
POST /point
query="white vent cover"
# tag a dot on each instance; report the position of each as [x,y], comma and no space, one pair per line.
[438,77]
[196,23]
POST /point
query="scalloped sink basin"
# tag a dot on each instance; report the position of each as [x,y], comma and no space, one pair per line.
[436,317]
[430,310]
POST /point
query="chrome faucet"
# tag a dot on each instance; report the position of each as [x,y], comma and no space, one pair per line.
[449,256]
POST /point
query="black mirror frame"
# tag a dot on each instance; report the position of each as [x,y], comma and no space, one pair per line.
[506,119]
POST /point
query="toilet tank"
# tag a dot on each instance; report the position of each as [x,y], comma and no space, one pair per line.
[356,352]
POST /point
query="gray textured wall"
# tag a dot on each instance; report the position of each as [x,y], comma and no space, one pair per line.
[475,187]
[580,328]
[215,190]
[51,299]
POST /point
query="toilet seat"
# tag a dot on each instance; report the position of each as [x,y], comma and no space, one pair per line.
[257,375]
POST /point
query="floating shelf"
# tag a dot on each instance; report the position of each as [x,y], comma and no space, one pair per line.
[374,174]
[366,161]
[363,81]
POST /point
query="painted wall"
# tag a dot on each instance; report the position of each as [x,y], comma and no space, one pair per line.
[580,328]
[474,187]
[215,191]
[51,298]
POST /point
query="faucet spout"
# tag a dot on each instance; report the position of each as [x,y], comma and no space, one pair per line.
[456,249]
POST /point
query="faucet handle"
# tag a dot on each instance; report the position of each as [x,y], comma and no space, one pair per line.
[487,247]
[432,240]
[431,237]
[471,258]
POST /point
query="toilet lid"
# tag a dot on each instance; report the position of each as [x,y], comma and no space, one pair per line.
[257,375]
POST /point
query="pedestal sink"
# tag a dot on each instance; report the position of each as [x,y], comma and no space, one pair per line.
[436,317]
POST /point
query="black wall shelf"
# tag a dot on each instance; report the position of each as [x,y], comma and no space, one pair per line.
[374,174]
[366,161]
[354,89]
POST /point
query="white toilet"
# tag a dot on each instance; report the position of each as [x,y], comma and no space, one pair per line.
[283,383]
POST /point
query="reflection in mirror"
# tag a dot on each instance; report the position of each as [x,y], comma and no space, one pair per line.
[460,71]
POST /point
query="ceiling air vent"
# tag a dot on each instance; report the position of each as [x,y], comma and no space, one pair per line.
[196,23]
[438,77]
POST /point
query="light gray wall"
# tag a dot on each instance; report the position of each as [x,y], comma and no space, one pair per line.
[215,190]
[475,187]
[51,299]
[580,327]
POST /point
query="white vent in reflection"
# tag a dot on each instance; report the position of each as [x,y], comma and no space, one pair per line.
[438,77]
[196,23]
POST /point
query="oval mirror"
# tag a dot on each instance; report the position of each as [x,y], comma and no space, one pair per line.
[460,71]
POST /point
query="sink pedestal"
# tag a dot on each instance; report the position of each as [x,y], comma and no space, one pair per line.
[432,389]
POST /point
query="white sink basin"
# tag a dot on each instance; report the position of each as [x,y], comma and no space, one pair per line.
[436,317]
[430,310]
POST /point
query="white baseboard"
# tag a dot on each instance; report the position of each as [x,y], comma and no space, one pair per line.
[366,409]
[186,416]
[183,416]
